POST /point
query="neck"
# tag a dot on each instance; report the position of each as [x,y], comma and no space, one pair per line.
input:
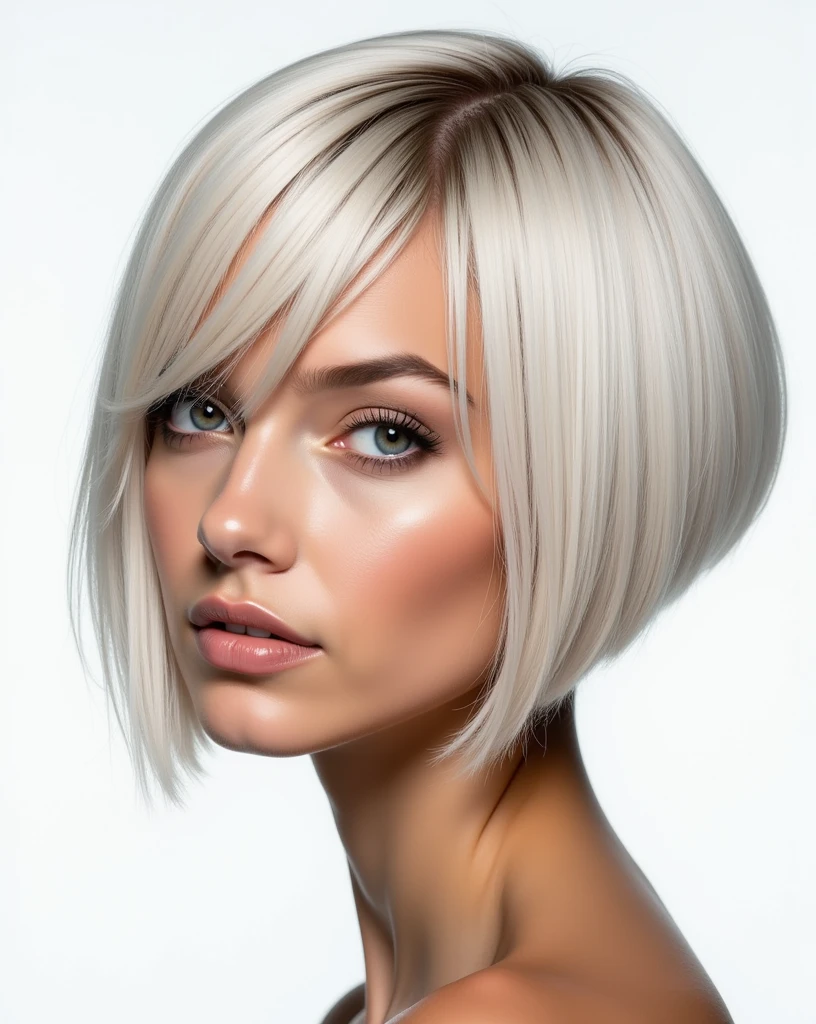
[424,847]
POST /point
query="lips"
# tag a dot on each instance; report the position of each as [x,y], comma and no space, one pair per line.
[215,609]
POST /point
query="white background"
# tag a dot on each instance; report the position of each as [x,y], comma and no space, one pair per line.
[700,743]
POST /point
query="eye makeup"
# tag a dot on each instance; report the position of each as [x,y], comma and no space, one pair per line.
[396,421]
[392,425]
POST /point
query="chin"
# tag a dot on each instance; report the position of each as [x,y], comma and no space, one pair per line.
[246,718]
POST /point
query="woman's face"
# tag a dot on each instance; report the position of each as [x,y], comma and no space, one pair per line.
[389,565]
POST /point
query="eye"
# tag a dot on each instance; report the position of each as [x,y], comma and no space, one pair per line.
[183,416]
[390,439]
[386,437]
[203,413]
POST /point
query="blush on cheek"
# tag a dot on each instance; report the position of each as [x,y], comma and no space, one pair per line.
[427,597]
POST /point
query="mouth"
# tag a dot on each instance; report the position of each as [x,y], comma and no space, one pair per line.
[249,651]
[231,627]
[244,618]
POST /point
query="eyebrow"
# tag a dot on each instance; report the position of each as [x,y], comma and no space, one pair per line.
[370,371]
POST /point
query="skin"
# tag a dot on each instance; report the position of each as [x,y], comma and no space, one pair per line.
[507,892]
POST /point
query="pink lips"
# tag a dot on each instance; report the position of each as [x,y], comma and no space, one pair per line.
[238,652]
[243,613]
[250,655]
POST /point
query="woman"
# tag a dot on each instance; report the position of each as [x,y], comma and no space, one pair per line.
[297,542]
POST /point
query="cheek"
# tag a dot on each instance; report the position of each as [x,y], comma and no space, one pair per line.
[427,593]
[168,518]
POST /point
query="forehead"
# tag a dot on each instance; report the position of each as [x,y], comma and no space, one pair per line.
[404,311]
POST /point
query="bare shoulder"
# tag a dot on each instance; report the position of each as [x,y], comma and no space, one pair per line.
[504,995]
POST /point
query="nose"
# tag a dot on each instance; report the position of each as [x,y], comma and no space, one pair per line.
[251,519]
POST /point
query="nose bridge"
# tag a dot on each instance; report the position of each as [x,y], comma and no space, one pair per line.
[255,511]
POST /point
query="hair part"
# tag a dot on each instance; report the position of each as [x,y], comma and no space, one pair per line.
[632,368]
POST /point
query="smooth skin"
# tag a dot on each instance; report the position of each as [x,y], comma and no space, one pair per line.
[501,898]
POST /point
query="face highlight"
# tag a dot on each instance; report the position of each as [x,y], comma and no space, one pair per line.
[350,513]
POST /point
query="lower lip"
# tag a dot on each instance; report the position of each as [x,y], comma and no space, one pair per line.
[250,655]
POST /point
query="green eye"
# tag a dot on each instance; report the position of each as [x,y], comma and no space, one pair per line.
[184,415]
[203,413]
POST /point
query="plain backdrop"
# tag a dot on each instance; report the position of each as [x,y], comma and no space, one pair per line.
[700,741]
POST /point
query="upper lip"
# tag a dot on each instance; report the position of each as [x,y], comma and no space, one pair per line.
[243,613]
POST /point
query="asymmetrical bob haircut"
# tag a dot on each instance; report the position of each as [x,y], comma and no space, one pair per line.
[632,369]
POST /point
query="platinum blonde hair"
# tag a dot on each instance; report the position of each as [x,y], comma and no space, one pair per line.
[632,369]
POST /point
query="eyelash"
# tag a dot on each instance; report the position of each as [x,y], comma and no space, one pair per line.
[427,440]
